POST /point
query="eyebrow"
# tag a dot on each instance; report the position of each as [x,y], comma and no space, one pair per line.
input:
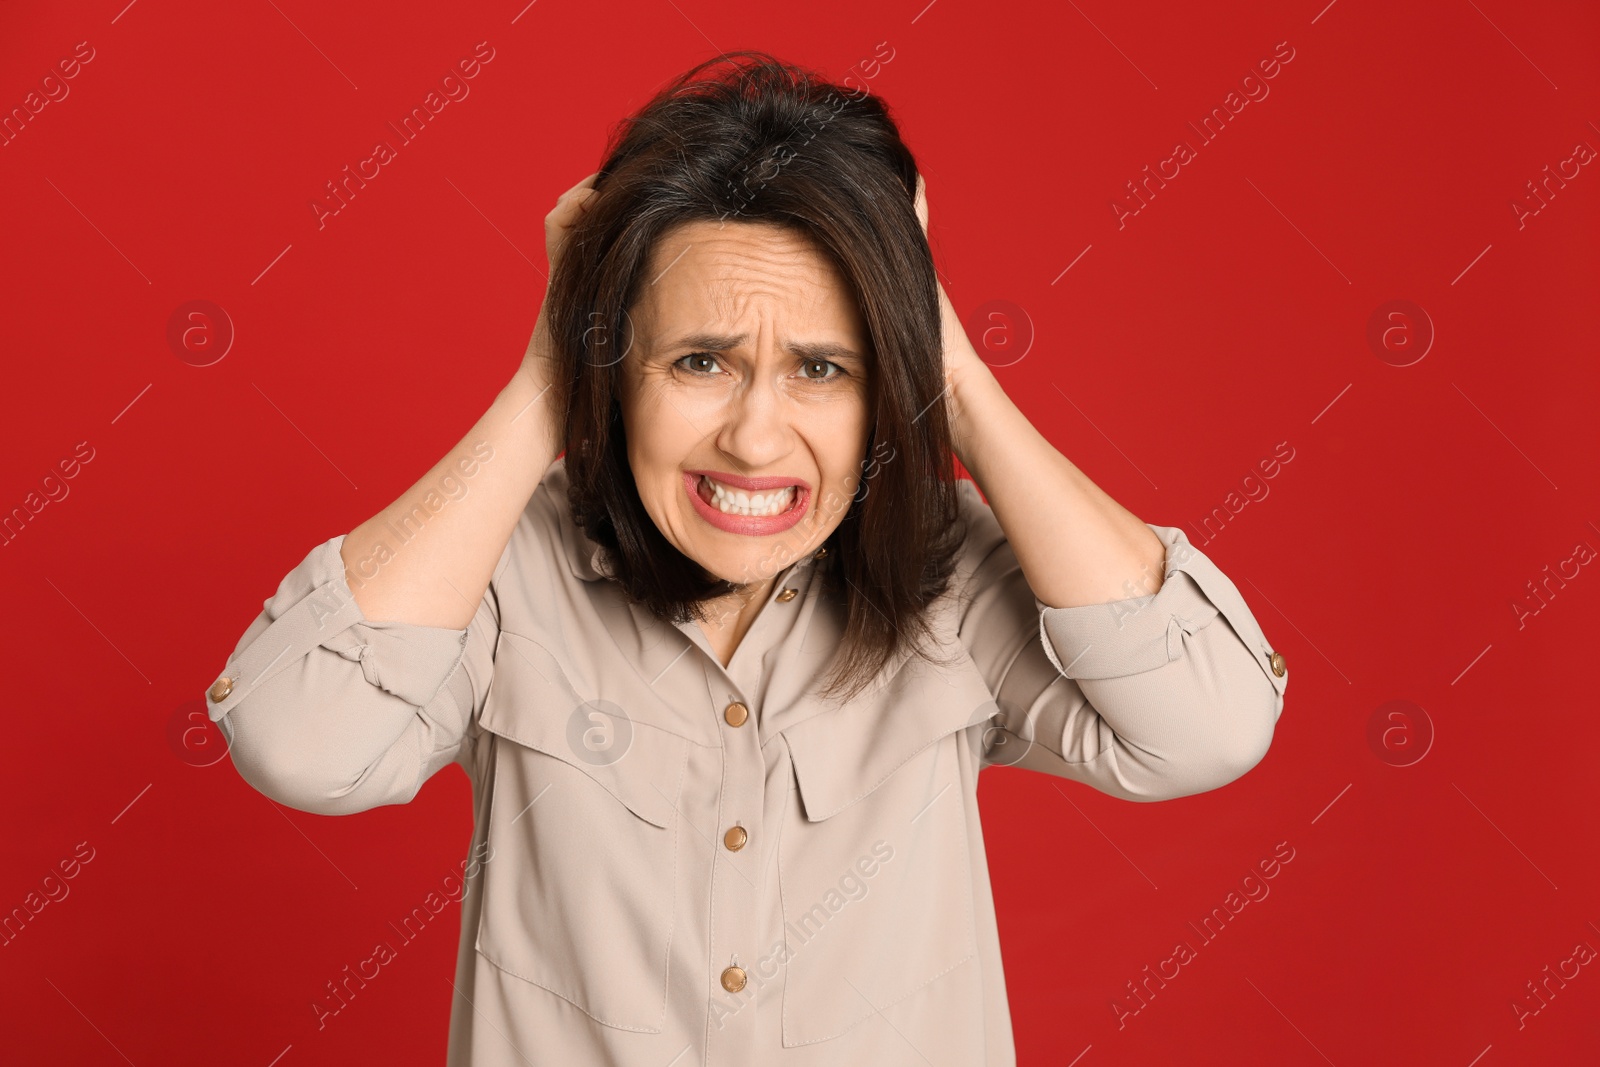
[717,342]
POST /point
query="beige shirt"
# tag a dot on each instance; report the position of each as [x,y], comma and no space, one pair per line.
[652,827]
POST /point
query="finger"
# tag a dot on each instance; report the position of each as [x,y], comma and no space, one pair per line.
[583,188]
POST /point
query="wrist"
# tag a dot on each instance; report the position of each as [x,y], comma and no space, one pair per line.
[526,407]
[972,387]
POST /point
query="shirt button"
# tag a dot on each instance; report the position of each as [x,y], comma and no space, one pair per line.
[736,713]
[733,979]
[1278,664]
[735,838]
[220,689]
[787,595]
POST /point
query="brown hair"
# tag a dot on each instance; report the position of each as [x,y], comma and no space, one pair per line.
[743,135]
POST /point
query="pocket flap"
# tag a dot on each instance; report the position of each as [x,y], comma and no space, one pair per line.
[842,755]
[532,702]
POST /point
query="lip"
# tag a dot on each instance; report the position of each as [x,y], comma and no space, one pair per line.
[749,525]
[755,485]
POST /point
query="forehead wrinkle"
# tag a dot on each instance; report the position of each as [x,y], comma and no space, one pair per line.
[732,278]
[734,295]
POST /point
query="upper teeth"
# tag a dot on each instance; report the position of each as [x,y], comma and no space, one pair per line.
[738,502]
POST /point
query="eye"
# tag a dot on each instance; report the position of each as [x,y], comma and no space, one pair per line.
[696,363]
[810,364]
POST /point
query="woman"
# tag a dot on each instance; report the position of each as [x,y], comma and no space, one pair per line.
[724,687]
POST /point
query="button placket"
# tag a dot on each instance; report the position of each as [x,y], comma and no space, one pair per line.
[738,906]
[735,889]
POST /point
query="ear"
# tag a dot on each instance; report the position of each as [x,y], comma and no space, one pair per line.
[921,204]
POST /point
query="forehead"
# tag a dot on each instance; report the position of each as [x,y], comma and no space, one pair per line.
[707,270]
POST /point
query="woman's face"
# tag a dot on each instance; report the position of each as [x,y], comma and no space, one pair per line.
[745,396]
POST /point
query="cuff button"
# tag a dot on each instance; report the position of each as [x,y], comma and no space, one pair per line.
[220,689]
[1278,664]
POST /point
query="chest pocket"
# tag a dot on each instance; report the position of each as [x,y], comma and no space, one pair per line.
[578,895]
[874,867]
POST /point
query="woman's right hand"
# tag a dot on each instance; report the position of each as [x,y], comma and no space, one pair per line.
[538,361]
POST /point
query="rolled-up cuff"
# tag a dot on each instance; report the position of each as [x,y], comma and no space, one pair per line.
[313,606]
[1127,636]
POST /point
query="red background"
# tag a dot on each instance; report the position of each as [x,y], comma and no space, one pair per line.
[1228,315]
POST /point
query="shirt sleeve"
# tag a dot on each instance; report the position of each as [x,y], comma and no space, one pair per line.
[1145,698]
[329,712]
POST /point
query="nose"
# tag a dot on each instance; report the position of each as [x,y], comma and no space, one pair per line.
[755,427]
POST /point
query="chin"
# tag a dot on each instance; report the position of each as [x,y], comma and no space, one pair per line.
[732,571]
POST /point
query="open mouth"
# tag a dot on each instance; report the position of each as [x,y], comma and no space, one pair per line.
[760,504]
